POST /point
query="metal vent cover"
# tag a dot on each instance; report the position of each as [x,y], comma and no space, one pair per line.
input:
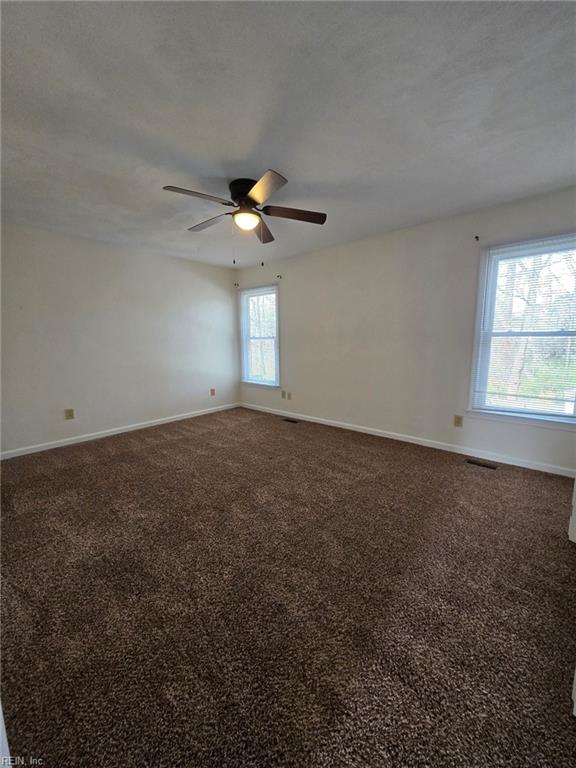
[478,463]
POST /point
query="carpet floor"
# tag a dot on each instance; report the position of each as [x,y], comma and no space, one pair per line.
[238,591]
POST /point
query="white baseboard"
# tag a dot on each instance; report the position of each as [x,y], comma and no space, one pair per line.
[488,455]
[114,431]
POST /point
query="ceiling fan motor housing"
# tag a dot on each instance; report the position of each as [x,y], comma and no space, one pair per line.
[239,189]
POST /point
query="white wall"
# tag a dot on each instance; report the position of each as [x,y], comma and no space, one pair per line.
[379,333]
[122,336]
[4,748]
[572,527]
[376,333]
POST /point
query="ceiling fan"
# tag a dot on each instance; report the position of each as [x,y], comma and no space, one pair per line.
[247,195]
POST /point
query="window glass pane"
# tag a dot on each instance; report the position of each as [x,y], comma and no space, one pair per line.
[259,336]
[533,373]
[526,350]
[262,360]
[262,315]
[536,293]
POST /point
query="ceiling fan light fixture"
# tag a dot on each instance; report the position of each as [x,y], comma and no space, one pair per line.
[246,220]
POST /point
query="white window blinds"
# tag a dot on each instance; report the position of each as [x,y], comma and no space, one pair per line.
[525,359]
[259,328]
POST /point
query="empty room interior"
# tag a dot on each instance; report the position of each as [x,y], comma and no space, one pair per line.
[288,384]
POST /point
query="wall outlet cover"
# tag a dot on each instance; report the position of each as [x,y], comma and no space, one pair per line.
[283,394]
[212,392]
[289,395]
[458,420]
[69,413]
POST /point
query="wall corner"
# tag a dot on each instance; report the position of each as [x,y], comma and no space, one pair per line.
[572,537]
[572,524]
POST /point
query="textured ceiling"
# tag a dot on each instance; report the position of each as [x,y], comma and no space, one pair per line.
[381,114]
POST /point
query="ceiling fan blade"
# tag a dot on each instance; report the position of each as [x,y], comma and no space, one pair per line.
[266,186]
[263,233]
[191,192]
[294,213]
[207,223]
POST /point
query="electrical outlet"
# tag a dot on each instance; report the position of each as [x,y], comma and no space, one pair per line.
[458,420]
[69,413]
[212,392]
[283,394]
[289,395]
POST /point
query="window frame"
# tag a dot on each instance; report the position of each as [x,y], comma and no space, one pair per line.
[485,310]
[245,338]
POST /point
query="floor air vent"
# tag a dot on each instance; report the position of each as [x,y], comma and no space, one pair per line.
[292,421]
[478,463]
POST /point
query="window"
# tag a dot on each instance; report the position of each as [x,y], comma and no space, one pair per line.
[525,360]
[259,318]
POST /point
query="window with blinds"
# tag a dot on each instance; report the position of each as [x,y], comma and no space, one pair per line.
[259,328]
[525,359]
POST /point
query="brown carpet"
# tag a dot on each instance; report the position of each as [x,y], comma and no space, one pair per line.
[239,591]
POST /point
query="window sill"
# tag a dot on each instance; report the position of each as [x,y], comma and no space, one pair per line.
[261,384]
[547,422]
